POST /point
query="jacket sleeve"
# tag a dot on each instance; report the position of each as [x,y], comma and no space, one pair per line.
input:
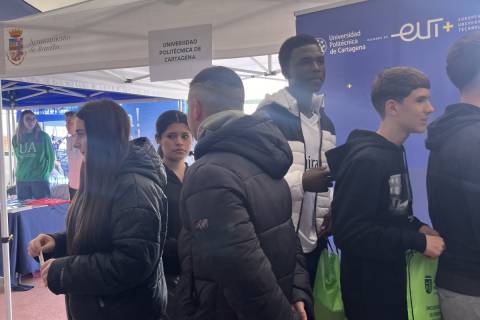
[226,249]
[134,255]
[301,283]
[60,244]
[294,176]
[49,153]
[356,227]
[469,169]
[15,146]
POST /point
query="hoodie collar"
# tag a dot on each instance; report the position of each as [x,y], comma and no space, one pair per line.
[255,138]
[456,117]
[285,99]
[217,121]
[143,159]
[357,141]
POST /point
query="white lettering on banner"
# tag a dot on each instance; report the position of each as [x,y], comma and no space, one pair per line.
[350,42]
[410,32]
[469,23]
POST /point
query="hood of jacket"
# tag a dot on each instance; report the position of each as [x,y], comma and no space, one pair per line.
[286,100]
[143,159]
[455,118]
[254,138]
[358,140]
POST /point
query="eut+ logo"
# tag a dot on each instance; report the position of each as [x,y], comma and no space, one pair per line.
[431,29]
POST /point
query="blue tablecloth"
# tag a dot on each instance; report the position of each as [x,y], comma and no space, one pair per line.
[26,225]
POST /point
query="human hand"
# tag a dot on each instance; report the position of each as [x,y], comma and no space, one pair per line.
[299,309]
[427,230]
[435,246]
[317,180]
[326,227]
[44,268]
[42,243]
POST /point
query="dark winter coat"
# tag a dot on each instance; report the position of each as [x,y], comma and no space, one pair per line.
[241,258]
[373,225]
[126,281]
[453,182]
[171,263]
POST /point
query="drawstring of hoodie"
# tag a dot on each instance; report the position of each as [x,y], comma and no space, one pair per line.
[407,178]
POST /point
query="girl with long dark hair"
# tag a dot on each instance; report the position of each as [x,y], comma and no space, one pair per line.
[35,158]
[175,142]
[108,262]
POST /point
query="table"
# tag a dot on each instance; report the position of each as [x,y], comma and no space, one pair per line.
[26,225]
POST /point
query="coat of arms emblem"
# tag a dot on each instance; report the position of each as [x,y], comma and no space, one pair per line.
[428,284]
[16,53]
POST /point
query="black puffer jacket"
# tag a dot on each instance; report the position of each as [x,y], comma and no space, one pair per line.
[240,256]
[126,281]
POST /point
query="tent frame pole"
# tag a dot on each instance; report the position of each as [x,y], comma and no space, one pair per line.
[10,155]
[5,236]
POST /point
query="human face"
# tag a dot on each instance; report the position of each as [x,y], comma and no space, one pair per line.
[176,142]
[70,124]
[413,111]
[307,68]
[80,136]
[29,121]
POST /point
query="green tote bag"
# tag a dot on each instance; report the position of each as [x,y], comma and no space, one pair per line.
[422,296]
[326,291]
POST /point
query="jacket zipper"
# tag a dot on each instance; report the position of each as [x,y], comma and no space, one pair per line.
[305,169]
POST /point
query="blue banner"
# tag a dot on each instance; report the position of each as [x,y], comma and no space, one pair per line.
[362,39]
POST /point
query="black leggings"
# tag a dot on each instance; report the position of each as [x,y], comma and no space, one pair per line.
[312,260]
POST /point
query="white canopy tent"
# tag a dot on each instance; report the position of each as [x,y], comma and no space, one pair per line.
[112,34]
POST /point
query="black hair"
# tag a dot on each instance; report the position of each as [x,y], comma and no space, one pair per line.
[69,114]
[287,48]
[107,147]
[463,60]
[396,84]
[167,118]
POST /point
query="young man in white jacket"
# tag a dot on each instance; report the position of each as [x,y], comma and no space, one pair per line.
[298,112]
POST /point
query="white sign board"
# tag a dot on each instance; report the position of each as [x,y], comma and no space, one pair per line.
[2,51]
[179,53]
[27,51]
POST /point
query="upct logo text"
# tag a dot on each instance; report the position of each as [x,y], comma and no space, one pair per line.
[421,31]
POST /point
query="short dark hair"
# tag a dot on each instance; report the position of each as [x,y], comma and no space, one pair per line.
[287,48]
[396,83]
[218,75]
[69,114]
[221,89]
[463,60]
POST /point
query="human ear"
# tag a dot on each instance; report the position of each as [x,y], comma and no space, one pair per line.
[391,107]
